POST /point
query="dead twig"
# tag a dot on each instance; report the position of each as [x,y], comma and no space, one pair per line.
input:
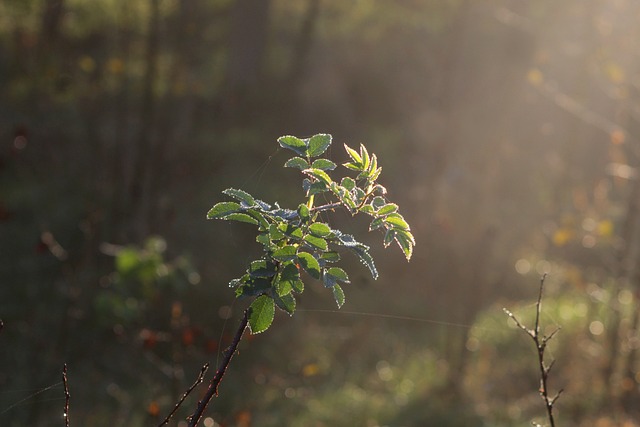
[222,369]
[541,341]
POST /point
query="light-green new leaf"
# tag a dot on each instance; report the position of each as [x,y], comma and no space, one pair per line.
[318,144]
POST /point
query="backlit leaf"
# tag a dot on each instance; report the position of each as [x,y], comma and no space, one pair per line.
[324,164]
[338,273]
[316,242]
[309,264]
[338,295]
[286,253]
[318,144]
[222,209]
[297,162]
[262,313]
[286,302]
[319,174]
[397,220]
[355,157]
[241,217]
[292,143]
[244,197]
[405,244]
[387,209]
[320,229]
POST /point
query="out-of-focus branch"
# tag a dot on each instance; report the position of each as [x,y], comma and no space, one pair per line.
[541,341]
[67,396]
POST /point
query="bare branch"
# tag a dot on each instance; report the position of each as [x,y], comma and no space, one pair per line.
[222,369]
[198,381]
[67,396]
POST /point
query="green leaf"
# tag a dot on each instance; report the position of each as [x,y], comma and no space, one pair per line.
[368,209]
[338,295]
[263,239]
[378,202]
[324,164]
[244,197]
[298,286]
[286,302]
[297,162]
[222,209]
[264,224]
[357,160]
[317,187]
[365,157]
[387,209]
[262,313]
[309,264]
[262,268]
[320,229]
[286,253]
[348,183]
[287,278]
[292,143]
[241,217]
[274,233]
[376,223]
[318,144]
[338,273]
[388,237]
[330,256]
[405,244]
[365,257]
[303,211]
[316,242]
[397,221]
[291,230]
[319,174]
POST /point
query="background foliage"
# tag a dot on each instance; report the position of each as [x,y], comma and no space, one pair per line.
[508,134]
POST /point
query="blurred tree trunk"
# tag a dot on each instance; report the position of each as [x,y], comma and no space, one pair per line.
[140,197]
[247,46]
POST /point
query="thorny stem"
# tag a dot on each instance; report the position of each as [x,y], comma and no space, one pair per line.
[67,396]
[541,344]
[222,369]
[186,393]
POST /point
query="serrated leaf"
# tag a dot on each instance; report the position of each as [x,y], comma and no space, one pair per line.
[262,313]
[292,143]
[241,217]
[263,239]
[359,194]
[355,157]
[375,174]
[319,174]
[245,198]
[286,279]
[286,253]
[373,165]
[379,189]
[264,224]
[348,183]
[366,258]
[376,223]
[405,243]
[262,268]
[378,202]
[352,166]
[324,164]
[298,286]
[387,209]
[364,154]
[297,162]
[320,229]
[316,242]
[252,286]
[388,237]
[368,209]
[309,264]
[338,273]
[396,220]
[223,209]
[274,233]
[318,144]
[330,256]
[338,295]
[286,302]
[317,187]
[291,230]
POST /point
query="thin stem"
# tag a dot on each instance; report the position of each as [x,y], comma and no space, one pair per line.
[541,344]
[67,396]
[222,369]
[198,381]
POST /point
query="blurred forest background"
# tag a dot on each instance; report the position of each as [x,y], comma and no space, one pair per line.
[508,131]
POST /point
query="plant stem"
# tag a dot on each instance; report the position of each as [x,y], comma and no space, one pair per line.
[212,390]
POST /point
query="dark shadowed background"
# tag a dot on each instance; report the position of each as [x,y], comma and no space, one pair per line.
[507,131]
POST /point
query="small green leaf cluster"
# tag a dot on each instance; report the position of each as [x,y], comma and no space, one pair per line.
[297,243]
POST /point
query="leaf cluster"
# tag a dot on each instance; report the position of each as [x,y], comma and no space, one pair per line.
[297,243]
